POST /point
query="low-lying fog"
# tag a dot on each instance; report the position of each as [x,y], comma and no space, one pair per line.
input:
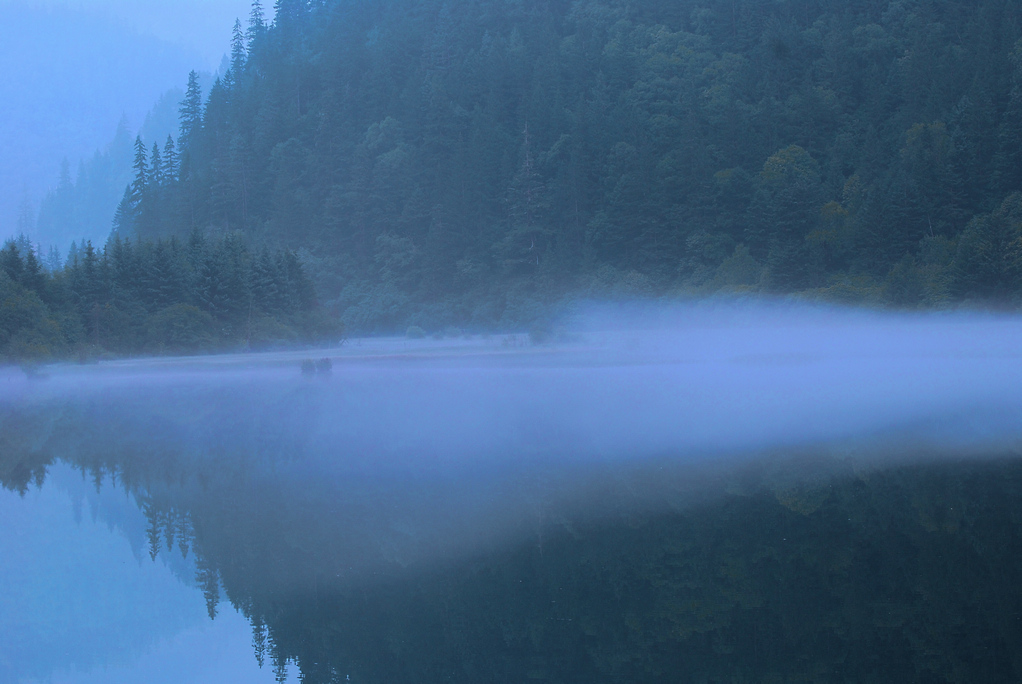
[618,384]
[446,442]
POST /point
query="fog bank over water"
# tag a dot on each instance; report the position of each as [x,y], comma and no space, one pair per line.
[433,446]
[621,384]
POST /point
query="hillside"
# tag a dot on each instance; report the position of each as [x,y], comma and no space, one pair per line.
[70,73]
[461,162]
[468,164]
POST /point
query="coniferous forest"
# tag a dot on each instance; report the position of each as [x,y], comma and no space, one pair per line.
[156,296]
[471,162]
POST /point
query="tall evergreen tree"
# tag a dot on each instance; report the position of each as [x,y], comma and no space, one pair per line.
[156,167]
[238,51]
[256,24]
[190,113]
[123,222]
[170,160]
[141,166]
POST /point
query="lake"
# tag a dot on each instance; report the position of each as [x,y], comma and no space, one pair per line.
[703,494]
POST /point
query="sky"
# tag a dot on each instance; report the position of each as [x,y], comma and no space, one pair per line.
[71,69]
[202,27]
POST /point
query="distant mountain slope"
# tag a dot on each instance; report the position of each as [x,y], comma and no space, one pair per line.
[68,77]
[455,161]
[81,204]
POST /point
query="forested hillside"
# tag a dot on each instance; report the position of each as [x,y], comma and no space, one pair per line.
[81,204]
[202,294]
[70,71]
[468,162]
[465,161]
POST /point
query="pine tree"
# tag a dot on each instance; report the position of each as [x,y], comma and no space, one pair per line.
[133,212]
[122,261]
[33,277]
[124,219]
[190,113]
[237,52]
[72,256]
[10,261]
[264,284]
[156,167]
[288,12]
[53,261]
[170,161]
[141,166]
[523,242]
[256,24]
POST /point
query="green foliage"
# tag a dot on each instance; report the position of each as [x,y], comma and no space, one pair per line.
[27,330]
[182,327]
[465,163]
[157,296]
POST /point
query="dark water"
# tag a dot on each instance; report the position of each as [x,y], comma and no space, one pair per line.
[471,512]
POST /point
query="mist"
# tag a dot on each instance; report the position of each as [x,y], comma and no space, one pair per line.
[440,448]
[201,27]
[73,70]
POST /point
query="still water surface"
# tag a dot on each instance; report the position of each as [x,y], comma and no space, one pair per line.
[748,497]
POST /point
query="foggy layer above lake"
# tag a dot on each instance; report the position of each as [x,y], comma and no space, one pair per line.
[434,446]
[683,382]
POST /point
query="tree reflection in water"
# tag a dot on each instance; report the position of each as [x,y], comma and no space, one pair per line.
[505,515]
[777,569]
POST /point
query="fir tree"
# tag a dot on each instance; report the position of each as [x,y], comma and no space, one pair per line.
[53,261]
[72,256]
[237,52]
[256,24]
[288,12]
[156,168]
[141,166]
[170,161]
[10,261]
[190,113]
[33,277]
[124,219]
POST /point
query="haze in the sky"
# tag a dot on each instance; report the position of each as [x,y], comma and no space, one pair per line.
[202,27]
[71,69]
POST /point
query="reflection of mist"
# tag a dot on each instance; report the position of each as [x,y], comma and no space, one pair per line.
[425,448]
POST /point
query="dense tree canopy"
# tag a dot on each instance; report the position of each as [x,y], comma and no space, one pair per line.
[442,163]
[155,296]
[456,161]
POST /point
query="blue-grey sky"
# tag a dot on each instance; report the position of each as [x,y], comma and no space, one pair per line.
[199,26]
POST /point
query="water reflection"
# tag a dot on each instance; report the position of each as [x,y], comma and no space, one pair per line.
[789,570]
[83,601]
[383,553]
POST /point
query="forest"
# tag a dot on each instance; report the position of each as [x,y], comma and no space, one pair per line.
[479,163]
[155,296]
